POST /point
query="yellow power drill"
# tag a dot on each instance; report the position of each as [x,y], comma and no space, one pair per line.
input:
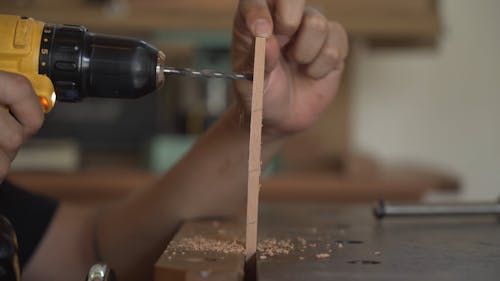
[68,63]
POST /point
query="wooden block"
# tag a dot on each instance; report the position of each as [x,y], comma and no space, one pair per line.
[254,161]
[203,250]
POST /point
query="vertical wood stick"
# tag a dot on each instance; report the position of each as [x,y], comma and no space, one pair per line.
[254,162]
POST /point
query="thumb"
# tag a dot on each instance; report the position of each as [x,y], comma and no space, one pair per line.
[257,17]
[255,20]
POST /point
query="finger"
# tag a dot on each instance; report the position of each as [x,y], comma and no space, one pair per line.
[287,18]
[332,53]
[272,60]
[273,54]
[18,95]
[311,37]
[257,17]
[11,134]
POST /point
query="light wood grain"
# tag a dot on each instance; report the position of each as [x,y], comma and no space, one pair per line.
[254,160]
[209,263]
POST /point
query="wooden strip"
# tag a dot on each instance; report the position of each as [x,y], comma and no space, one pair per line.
[203,250]
[254,161]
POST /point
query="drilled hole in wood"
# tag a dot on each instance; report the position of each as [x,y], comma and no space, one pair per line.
[363,262]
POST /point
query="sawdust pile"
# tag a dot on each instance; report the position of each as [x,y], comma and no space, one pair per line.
[269,247]
[202,244]
[266,247]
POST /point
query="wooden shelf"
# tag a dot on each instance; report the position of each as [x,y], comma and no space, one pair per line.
[106,183]
[87,186]
[328,188]
[389,19]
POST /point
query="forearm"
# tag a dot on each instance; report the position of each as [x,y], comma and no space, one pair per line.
[210,180]
[131,234]
[215,170]
[66,251]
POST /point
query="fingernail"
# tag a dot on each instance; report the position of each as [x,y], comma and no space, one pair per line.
[262,28]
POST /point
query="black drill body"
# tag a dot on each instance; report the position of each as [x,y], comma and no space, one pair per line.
[83,64]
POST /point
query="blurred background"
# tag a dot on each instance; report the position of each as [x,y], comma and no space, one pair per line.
[416,118]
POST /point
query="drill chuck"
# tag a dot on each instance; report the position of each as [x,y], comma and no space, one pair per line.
[84,64]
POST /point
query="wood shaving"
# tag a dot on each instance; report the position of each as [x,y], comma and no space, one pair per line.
[302,241]
[322,256]
[221,231]
[272,247]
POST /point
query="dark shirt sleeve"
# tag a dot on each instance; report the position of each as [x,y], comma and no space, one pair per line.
[30,215]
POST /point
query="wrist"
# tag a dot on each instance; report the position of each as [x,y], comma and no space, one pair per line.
[240,116]
[272,127]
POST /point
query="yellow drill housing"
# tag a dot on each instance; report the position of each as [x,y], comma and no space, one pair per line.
[20,40]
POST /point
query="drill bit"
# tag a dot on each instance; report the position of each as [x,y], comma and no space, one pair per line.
[207,73]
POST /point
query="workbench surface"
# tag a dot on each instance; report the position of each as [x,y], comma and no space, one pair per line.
[393,249]
[325,242]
